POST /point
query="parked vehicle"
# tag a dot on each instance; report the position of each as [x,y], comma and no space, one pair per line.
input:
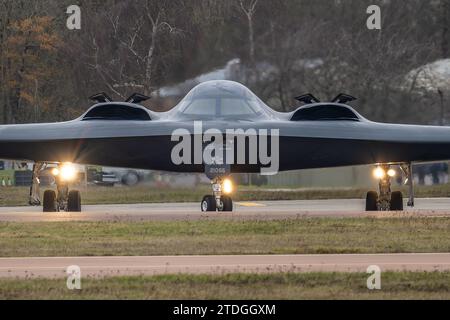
[129,177]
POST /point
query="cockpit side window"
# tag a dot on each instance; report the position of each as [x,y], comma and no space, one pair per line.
[234,107]
[220,107]
[201,107]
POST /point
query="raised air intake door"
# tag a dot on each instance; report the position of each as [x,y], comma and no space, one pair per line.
[325,113]
[107,109]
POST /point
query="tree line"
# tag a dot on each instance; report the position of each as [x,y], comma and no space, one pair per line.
[286,47]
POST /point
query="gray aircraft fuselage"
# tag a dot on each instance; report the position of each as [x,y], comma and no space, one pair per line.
[314,136]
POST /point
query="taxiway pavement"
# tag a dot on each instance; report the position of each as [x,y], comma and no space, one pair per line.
[243,210]
[56,267]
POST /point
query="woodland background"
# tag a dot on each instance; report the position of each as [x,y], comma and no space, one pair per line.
[285,48]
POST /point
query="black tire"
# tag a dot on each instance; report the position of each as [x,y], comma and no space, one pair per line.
[396,201]
[371,201]
[74,201]
[49,201]
[208,204]
[227,204]
[130,179]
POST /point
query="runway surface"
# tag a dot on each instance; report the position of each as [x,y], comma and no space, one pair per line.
[114,266]
[243,210]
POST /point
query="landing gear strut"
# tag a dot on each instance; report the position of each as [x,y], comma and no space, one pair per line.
[385,199]
[218,201]
[34,199]
[63,199]
[407,170]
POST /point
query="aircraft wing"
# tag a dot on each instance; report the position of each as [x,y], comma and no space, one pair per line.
[313,136]
[148,145]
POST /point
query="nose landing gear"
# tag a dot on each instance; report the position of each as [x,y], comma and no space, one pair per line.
[218,201]
[386,199]
[62,199]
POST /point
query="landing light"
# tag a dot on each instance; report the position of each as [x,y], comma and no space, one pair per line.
[391,173]
[227,186]
[379,173]
[67,172]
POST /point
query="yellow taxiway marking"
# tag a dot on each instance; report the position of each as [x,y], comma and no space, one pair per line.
[251,204]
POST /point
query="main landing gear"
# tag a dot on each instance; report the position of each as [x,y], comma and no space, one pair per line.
[386,199]
[62,199]
[218,201]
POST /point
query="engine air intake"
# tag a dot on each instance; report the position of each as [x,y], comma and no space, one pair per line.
[117,112]
[324,113]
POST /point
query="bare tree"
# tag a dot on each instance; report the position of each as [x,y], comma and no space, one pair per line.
[132,64]
[249,9]
[445,12]
[288,47]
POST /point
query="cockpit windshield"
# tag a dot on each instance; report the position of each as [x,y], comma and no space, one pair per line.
[221,100]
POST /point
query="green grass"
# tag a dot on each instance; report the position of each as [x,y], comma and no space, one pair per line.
[290,236]
[18,196]
[394,285]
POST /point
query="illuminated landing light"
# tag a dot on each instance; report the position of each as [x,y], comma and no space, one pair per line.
[379,173]
[67,172]
[227,186]
[391,173]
